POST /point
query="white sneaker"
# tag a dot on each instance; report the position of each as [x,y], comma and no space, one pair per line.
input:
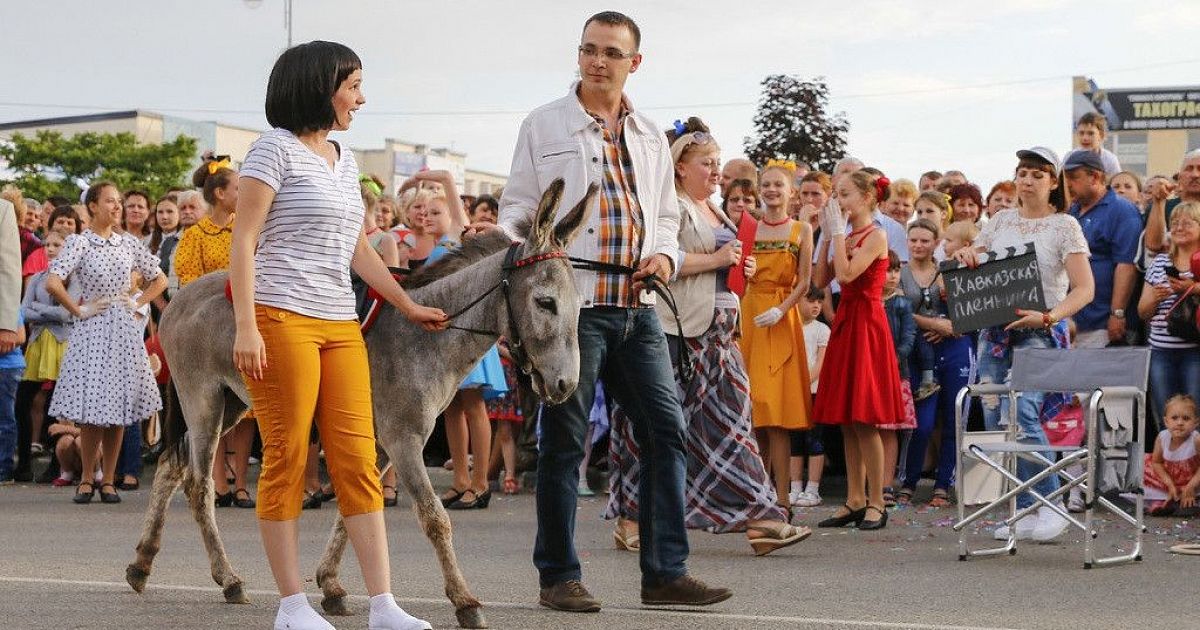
[394,618]
[806,499]
[1075,503]
[1050,525]
[1025,529]
[305,618]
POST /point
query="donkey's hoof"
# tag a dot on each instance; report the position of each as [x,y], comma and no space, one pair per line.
[136,577]
[471,617]
[235,595]
[335,605]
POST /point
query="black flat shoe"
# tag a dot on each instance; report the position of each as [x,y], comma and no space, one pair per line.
[223,500]
[245,503]
[478,501]
[124,485]
[82,497]
[866,526]
[453,497]
[109,497]
[852,516]
[312,501]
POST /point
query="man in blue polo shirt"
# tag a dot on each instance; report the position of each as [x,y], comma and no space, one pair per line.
[1112,227]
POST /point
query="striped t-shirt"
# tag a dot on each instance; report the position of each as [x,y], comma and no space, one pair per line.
[1157,275]
[306,244]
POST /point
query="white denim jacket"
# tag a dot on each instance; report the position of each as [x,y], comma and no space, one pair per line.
[561,140]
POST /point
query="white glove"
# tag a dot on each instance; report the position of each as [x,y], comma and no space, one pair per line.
[769,317]
[93,308]
[832,219]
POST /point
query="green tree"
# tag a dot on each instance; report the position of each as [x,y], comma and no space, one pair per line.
[50,163]
[793,122]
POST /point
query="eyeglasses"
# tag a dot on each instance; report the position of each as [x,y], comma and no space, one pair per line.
[611,54]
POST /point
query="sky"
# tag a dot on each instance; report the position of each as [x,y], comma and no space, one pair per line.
[925,85]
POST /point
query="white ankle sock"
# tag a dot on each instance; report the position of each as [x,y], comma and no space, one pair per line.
[386,614]
[813,487]
[796,487]
[295,613]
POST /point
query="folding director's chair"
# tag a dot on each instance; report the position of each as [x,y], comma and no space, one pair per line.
[1104,375]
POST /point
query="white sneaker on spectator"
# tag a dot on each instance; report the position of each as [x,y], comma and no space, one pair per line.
[295,613]
[1075,503]
[1050,525]
[1025,529]
[386,614]
[806,499]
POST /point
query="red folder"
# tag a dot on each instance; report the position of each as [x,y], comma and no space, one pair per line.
[747,228]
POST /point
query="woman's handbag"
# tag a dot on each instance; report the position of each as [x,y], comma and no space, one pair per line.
[1183,320]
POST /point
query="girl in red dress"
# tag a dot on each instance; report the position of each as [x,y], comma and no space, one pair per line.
[859,386]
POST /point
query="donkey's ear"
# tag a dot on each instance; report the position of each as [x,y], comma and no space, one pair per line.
[569,227]
[543,221]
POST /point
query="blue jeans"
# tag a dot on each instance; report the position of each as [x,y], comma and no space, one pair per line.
[995,367]
[1172,372]
[627,349]
[9,379]
[953,371]
[130,460]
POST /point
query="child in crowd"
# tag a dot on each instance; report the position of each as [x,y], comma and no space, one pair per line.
[808,442]
[960,234]
[1172,471]
[505,411]
[1089,133]
[49,328]
[904,330]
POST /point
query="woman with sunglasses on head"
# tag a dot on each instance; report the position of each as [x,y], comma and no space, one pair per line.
[1067,284]
[772,328]
[298,234]
[727,488]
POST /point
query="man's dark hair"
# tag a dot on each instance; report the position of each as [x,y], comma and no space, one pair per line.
[57,201]
[614,18]
[136,192]
[303,82]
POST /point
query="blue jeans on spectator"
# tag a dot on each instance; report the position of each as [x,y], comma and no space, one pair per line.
[9,379]
[954,360]
[627,349]
[995,366]
[1173,372]
[130,460]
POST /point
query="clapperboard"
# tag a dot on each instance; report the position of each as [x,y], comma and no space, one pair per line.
[990,294]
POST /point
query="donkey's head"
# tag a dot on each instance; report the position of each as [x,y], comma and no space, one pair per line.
[544,302]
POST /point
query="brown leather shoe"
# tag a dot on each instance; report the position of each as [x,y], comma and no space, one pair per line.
[684,591]
[569,596]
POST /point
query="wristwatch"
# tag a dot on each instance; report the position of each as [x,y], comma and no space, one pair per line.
[1119,313]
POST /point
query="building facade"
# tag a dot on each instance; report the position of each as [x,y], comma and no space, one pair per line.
[1148,128]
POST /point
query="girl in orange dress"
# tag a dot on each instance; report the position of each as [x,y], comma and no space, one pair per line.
[772,329]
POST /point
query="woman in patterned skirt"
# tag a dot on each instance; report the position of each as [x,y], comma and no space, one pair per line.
[727,487]
[105,383]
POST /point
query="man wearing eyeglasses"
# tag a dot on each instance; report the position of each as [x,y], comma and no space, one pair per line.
[594,135]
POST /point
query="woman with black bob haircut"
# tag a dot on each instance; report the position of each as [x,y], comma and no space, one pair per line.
[299,229]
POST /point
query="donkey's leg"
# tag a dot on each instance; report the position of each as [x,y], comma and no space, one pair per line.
[334,600]
[198,486]
[166,480]
[406,456]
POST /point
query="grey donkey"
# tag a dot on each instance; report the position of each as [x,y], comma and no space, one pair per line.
[414,375]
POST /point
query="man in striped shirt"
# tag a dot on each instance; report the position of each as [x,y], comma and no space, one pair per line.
[594,135]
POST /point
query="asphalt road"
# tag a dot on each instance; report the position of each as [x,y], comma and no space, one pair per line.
[62,566]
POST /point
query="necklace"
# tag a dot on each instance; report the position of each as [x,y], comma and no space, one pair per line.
[785,220]
[862,229]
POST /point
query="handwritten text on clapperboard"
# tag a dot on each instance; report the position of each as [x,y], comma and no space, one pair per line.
[990,294]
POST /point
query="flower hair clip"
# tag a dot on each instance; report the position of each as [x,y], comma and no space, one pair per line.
[786,165]
[680,128]
[881,187]
[216,165]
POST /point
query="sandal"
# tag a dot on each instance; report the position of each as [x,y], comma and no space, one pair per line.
[940,499]
[452,495]
[511,486]
[223,500]
[392,500]
[238,501]
[625,540]
[82,497]
[889,497]
[109,497]
[312,500]
[904,497]
[775,536]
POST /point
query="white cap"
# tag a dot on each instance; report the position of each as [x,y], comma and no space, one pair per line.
[1044,154]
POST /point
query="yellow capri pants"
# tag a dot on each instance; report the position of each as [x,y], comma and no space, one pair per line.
[316,369]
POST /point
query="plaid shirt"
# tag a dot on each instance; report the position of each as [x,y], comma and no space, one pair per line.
[621,231]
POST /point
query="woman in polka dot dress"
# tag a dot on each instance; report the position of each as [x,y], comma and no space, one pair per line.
[105,383]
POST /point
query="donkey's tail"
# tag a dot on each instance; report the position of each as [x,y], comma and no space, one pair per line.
[174,437]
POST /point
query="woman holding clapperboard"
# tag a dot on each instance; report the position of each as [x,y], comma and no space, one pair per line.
[1062,255]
